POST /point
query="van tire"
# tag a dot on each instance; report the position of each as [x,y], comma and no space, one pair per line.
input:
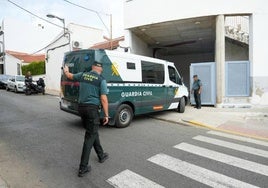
[16,90]
[124,116]
[181,107]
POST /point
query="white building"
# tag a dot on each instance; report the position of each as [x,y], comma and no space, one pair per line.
[13,65]
[222,32]
[76,37]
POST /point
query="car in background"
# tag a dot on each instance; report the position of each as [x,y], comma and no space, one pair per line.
[3,80]
[16,83]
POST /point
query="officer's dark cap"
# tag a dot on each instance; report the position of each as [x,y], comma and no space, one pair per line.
[98,64]
[195,76]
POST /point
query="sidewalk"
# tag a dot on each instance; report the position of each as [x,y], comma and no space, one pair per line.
[250,122]
[3,183]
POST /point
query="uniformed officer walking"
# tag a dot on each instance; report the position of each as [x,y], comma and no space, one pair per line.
[196,90]
[92,94]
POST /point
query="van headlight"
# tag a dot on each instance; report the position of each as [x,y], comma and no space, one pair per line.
[20,85]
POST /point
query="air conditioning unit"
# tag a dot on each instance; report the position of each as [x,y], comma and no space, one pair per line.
[77,44]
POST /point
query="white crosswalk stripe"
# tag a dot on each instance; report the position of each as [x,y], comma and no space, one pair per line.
[227,159]
[233,146]
[240,138]
[129,179]
[197,173]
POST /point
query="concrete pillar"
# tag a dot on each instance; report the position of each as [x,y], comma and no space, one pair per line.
[220,59]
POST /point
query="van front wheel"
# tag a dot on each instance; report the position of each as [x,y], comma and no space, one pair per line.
[124,116]
[181,107]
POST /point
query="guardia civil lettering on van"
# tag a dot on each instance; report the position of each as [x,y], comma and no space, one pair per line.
[136,84]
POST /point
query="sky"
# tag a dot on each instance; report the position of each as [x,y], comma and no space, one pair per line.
[27,33]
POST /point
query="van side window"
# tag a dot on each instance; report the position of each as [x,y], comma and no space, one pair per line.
[131,66]
[152,72]
[174,76]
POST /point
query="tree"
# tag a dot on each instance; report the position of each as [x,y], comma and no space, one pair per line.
[36,68]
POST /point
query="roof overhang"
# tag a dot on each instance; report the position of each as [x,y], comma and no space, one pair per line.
[187,36]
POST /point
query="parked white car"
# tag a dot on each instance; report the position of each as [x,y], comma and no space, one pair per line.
[16,83]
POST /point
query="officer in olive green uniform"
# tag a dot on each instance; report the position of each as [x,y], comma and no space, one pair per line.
[92,94]
[196,90]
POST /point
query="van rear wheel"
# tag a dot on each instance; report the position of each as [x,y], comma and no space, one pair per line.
[124,116]
[181,107]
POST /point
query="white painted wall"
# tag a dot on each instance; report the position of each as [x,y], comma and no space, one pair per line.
[258,57]
[137,46]
[155,11]
[11,65]
[86,36]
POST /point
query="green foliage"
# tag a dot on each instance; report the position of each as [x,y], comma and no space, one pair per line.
[36,68]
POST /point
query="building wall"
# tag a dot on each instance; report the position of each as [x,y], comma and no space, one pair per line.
[137,46]
[54,61]
[155,11]
[258,57]
[12,64]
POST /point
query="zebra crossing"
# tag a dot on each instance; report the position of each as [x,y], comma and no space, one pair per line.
[130,179]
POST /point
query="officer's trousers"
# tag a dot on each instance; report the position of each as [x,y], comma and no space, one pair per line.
[197,98]
[91,121]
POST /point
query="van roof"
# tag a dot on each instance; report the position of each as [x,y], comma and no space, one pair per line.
[117,53]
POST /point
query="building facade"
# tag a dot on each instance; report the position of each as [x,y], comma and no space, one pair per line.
[230,34]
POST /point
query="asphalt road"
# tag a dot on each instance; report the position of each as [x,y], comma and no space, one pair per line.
[40,146]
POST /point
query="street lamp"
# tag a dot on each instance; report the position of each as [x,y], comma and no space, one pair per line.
[61,19]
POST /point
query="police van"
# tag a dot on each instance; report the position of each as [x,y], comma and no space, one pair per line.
[136,84]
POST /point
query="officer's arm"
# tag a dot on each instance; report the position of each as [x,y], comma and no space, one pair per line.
[67,73]
[104,103]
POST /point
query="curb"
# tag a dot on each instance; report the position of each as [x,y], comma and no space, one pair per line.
[195,123]
[199,124]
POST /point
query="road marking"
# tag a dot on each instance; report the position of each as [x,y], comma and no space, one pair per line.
[240,138]
[129,179]
[227,159]
[233,146]
[197,173]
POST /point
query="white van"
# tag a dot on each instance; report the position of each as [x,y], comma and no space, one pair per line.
[137,84]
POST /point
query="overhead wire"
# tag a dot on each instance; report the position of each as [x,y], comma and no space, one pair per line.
[41,19]
[91,10]
[94,11]
[33,14]
[48,45]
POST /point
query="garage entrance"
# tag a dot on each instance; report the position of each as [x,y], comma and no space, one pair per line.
[181,41]
[202,39]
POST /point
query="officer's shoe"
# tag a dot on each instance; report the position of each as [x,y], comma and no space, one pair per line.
[104,157]
[83,171]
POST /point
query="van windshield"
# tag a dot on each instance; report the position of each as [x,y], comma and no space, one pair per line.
[174,76]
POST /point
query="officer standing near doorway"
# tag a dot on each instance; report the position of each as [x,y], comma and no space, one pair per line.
[196,90]
[92,94]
